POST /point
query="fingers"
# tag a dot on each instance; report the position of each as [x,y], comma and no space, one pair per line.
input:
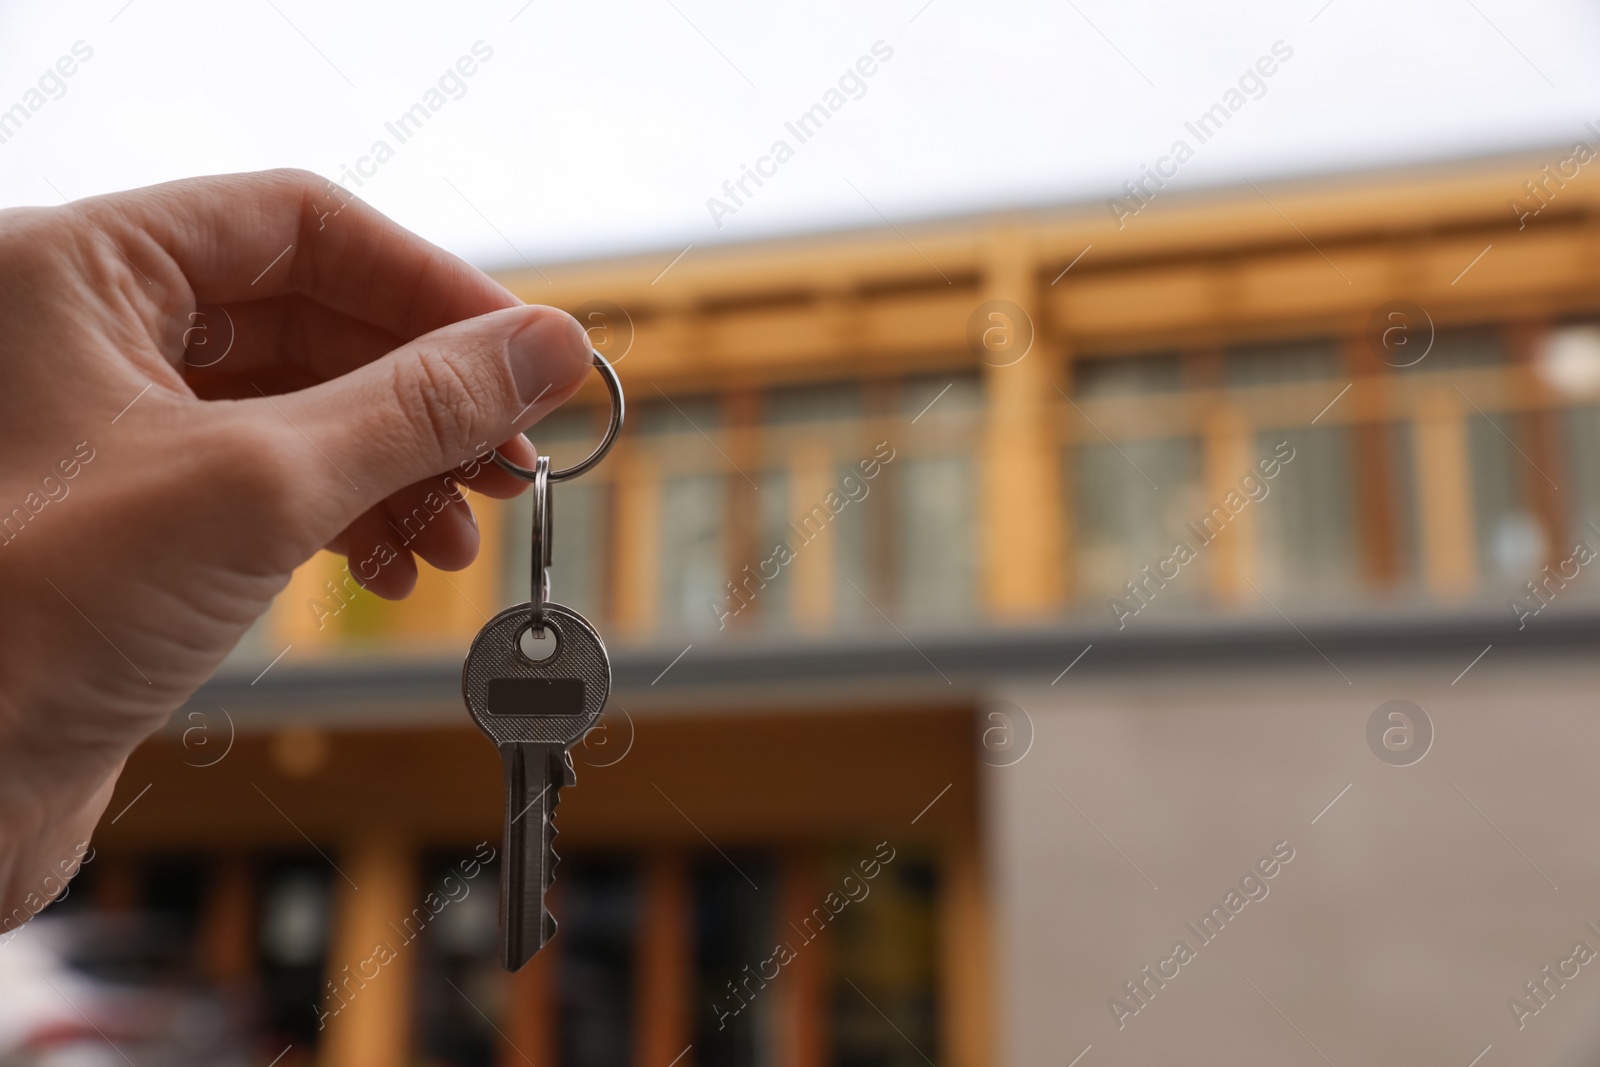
[430,405]
[239,237]
[376,561]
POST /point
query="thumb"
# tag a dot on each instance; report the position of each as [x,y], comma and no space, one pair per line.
[441,399]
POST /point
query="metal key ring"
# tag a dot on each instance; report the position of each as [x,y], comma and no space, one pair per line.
[614,387]
[543,537]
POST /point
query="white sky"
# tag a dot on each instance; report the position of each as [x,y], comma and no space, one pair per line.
[600,127]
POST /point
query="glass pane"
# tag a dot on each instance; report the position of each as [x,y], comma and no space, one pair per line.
[1125,523]
[851,533]
[885,960]
[693,549]
[577,574]
[937,541]
[599,925]
[459,947]
[814,403]
[295,911]
[1160,372]
[1582,431]
[735,1011]
[1404,503]
[773,593]
[1281,363]
[1461,350]
[940,397]
[679,415]
[1307,530]
[1511,541]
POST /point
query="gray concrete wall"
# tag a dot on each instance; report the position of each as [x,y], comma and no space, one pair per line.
[1399,930]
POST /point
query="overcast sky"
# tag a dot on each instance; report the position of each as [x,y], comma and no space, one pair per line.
[599,127]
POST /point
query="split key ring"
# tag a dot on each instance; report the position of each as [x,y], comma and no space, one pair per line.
[614,387]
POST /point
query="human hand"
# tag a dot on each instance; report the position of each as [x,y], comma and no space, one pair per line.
[151,510]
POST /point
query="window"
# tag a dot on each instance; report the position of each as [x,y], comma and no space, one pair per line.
[734,1011]
[685,438]
[1132,494]
[599,925]
[460,948]
[1096,378]
[1306,524]
[885,960]
[813,434]
[693,549]
[1131,502]
[1305,519]
[1582,431]
[295,912]
[1280,363]
[937,543]
[933,564]
[1461,351]
[1510,539]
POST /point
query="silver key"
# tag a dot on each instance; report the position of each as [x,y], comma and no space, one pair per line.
[534,710]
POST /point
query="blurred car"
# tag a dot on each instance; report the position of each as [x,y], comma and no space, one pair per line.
[86,990]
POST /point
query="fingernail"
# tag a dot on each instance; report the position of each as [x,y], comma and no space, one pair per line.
[548,355]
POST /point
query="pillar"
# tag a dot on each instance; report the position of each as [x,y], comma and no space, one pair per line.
[803,1037]
[968,983]
[665,971]
[810,480]
[637,590]
[370,964]
[227,923]
[1021,524]
[1444,488]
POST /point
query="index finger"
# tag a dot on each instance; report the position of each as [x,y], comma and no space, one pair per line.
[238,237]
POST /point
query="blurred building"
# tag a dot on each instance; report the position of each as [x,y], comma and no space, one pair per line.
[888,559]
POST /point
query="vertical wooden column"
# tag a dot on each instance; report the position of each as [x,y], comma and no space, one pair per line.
[1020,522]
[372,1027]
[1227,459]
[804,1039]
[637,590]
[810,480]
[968,991]
[1541,439]
[1377,524]
[742,415]
[1444,485]
[531,1027]
[665,964]
[227,922]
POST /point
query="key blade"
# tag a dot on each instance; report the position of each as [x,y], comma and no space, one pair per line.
[534,774]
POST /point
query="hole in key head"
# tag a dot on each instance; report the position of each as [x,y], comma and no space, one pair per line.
[537,643]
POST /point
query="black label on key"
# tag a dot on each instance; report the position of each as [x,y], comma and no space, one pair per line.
[535,696]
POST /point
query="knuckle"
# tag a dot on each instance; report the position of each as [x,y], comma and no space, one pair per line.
[297,178]
[264,465]
[451,396]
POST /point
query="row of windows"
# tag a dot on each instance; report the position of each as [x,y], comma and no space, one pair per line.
[1354,491]
[766,519]
[850,503]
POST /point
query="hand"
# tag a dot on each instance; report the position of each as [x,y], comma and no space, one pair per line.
[150,509]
